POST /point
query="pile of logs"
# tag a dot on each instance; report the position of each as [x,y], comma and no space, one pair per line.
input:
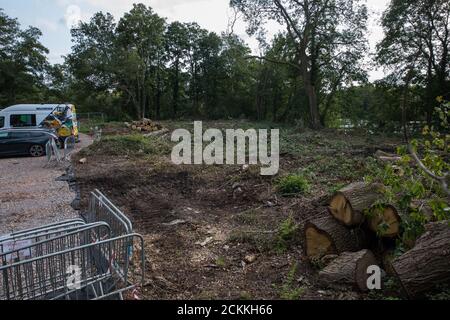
[145,126]
[346,238]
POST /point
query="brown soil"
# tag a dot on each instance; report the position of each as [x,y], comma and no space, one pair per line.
[228,214]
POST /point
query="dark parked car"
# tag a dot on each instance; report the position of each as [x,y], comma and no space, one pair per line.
[24,142]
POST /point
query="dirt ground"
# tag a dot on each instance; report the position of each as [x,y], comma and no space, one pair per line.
[30,194]
[216,232]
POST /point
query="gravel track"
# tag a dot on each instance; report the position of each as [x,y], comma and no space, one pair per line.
[30,195]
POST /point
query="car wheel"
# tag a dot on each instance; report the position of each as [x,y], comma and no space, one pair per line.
[37,151]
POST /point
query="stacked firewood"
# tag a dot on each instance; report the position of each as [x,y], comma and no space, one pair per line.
[144,125]
[347,236]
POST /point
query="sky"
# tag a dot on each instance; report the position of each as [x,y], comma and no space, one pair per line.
[56,17]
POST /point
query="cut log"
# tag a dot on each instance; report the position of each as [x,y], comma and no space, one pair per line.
[325,236]
[387,258]
[349,269]
[385,221]
[387,157]
[348,204]
[428,263]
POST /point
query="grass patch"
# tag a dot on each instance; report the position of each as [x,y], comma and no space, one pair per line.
[85,125]
[278,241]
[261,242]
[293,184]
[249,217]
[130,145]
[221,262]
[286,235]
[289,290]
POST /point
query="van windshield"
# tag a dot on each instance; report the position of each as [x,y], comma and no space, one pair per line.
[2,122]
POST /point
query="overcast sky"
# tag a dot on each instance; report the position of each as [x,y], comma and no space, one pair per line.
[55,17]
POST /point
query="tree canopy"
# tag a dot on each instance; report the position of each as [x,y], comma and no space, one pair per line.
[314,71]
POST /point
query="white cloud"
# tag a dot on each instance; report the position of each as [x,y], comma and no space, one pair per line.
[72,16]
[46,24]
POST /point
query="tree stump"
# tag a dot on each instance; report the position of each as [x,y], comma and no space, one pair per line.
[428,263]
[349,269]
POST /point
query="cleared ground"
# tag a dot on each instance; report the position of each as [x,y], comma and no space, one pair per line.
[225,231]
[30,195]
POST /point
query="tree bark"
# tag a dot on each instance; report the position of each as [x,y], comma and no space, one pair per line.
[176,90]
[349,269]
[428,263]
[325,236]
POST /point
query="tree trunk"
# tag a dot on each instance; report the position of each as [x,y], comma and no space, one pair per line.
[429,103]
[428,263]
[324,236]
[349,203]
[158,95]
[313,106]
[310,88]
[349,269]
[176,90]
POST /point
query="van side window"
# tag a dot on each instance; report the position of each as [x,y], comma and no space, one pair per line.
[23,120]
[2,122]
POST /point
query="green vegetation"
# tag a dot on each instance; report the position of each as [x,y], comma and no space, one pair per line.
[414,190]
[287,235]
[289,290]
[128,145]
[221,262]
[293,184]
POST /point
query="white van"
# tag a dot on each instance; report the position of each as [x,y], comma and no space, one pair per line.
[33,116]
[25,115]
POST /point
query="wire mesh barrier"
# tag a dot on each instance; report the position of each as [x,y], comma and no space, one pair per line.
[55,155]
[43,229]
[69,147]
[42,233]
[34,247]
[100,258]
[97,134]
[102,209]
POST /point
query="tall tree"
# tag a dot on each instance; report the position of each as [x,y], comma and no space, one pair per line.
[23,62]
[93,58]
[177,48]
[417,45]
[140,38]
[320,31]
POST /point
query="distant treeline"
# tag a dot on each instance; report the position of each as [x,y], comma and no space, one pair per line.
[315,72]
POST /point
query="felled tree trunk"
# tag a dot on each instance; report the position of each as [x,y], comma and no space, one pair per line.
[349,269]
[348,204]
[428,263]
[325,236]
[385,221]
[387,157]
